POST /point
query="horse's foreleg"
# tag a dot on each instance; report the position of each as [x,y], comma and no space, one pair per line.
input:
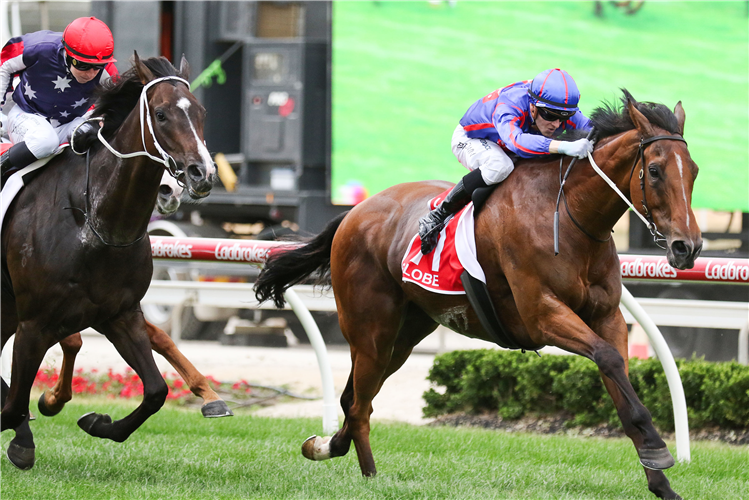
[615,333]
[128,334]
[29,349]
[21,451]
[563,328]
[51,402]
[213,405]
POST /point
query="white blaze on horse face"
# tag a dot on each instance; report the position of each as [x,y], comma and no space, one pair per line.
[683,191]
[184,105]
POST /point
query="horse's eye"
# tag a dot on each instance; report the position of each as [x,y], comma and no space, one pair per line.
[654,172]
[160,116]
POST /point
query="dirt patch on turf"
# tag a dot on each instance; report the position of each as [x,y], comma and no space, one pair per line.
[557,424]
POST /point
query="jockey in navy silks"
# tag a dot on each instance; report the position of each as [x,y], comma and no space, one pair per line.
[55,77]
[520,120]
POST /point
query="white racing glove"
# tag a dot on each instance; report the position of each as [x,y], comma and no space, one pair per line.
[579,148]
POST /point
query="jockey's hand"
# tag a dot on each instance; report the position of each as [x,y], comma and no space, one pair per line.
[579,148]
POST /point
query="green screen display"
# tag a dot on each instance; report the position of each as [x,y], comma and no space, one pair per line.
[405,72]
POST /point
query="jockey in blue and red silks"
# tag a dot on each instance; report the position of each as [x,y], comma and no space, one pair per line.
[56,74]
[521,120]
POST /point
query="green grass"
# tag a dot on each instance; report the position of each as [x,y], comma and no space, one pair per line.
[179,455]
[405,72]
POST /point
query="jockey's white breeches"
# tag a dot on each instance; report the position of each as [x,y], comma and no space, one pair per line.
[481,154]
[40,136]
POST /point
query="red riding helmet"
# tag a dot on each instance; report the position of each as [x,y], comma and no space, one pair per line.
[89,40]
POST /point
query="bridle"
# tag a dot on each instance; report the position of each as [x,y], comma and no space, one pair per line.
[145,120]
[166,159]
[658,237]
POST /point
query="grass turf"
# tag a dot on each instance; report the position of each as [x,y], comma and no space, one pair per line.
[405,72]
[179,455]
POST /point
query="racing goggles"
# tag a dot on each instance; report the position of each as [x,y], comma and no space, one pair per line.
[84,66]
[551,115]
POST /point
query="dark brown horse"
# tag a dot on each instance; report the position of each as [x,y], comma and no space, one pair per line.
[570,301]
[74,247]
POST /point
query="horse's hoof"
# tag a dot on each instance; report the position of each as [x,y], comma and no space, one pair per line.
[45,410]
[216,409]
[21,457]
[316,448]
[94,424]
[658,459]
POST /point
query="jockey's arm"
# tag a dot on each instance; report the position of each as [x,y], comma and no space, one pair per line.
[11,62]
[509,122]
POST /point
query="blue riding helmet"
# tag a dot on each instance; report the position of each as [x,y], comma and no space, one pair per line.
[555,89]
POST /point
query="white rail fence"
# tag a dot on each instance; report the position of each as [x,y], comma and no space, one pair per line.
[302,299]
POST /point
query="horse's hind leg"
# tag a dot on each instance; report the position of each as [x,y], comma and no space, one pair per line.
[360,391]
[213,405]
[128,334]
[52,402]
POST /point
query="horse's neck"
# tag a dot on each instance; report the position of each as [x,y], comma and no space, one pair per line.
[594,203]
[122,192]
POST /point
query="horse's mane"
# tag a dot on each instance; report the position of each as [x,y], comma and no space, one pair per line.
[612,118]
[119,96]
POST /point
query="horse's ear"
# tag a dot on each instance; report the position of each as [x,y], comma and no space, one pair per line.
[680,117]
[641,123]
[184,68]
[144,74]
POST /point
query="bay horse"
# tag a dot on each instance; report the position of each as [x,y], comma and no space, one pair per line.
[570,300]
[74,247]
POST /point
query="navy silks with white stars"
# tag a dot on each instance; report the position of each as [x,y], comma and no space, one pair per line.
[46,85]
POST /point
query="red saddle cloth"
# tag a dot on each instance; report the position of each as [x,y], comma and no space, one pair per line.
[440,270]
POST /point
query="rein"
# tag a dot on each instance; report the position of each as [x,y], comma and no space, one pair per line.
[166,159]
[169,163]
[647,219]
[87,211]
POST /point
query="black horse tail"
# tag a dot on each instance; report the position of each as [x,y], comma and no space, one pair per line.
[286,269]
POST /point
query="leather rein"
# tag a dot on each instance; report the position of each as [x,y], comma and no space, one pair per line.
[658,237]
[166,159]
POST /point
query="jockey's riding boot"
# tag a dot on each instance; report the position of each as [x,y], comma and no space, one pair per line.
[432,224]
[16,158]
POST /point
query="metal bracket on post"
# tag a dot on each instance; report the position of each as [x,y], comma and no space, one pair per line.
[661,349]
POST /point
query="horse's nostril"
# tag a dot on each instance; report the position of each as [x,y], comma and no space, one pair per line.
[195,172]
[680,248]
[165,190]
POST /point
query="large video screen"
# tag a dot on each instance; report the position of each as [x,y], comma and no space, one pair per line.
[405,72]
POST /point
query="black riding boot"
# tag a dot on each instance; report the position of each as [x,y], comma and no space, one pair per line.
[432,224]
[16,157]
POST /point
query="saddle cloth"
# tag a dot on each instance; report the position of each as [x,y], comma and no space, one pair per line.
[16,181]
[440,270]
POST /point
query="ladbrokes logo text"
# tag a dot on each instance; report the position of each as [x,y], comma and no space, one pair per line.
[242,254]
[640,269]
[174,250]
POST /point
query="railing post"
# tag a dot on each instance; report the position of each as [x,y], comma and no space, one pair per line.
[330,406]
[678,400]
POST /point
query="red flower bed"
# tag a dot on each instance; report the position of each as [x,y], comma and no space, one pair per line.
[129,384]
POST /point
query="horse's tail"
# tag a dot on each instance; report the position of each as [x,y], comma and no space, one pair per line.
[288,268]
